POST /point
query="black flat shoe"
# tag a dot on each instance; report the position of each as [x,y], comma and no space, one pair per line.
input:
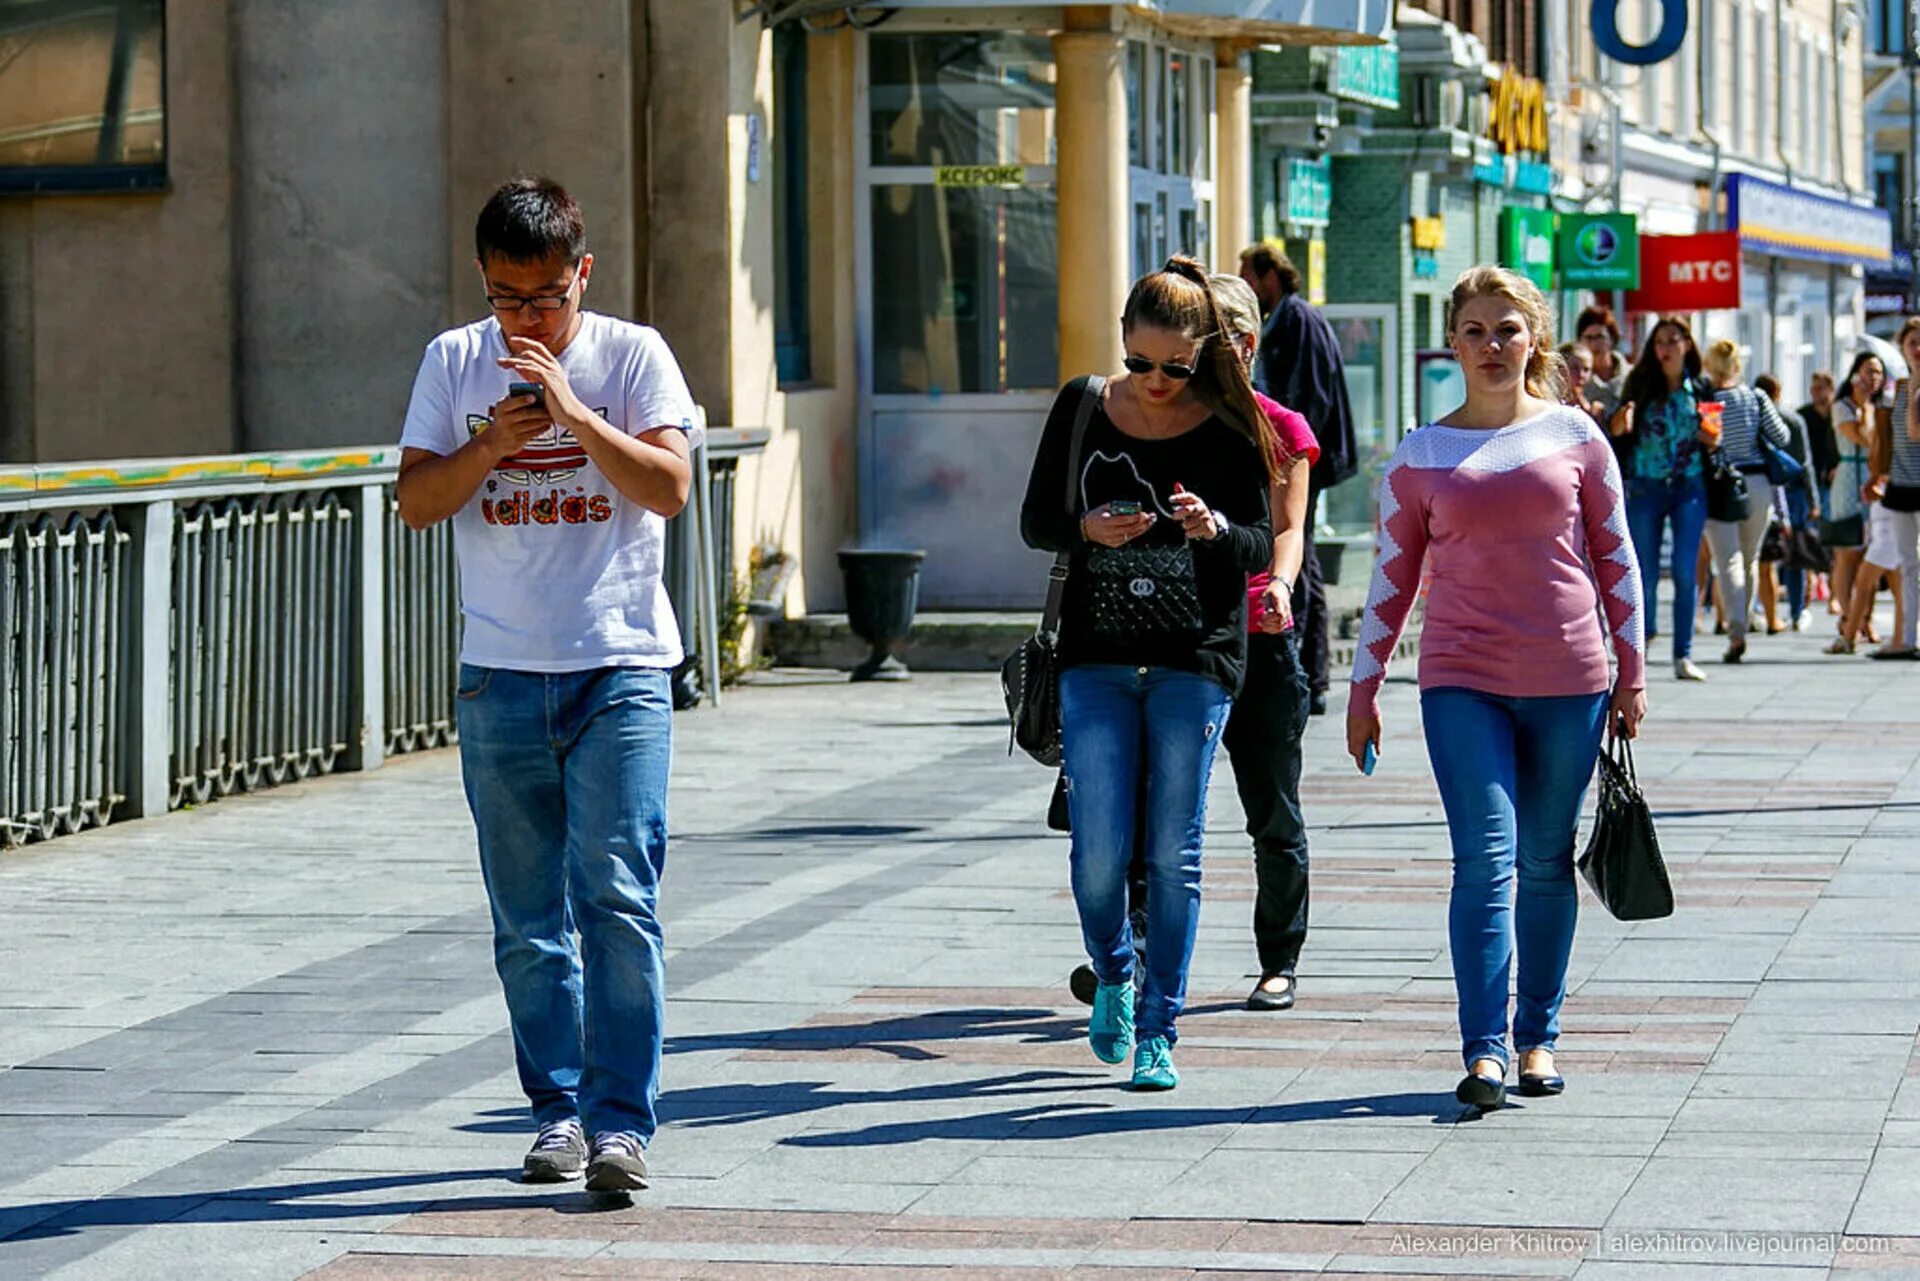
[1536,1086]
[1261,999]
[1483,1092]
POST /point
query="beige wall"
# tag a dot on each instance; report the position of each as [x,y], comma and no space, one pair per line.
[119,309]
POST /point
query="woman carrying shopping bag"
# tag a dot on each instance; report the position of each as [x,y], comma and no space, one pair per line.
[1517,506]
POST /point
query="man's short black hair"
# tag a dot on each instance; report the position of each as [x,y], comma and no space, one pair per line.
[530,220]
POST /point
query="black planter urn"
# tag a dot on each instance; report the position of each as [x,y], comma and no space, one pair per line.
[883,590]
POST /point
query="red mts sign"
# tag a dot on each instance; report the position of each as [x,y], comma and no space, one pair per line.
[1688,273]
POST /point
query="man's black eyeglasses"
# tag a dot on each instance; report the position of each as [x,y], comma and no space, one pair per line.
[539,302]
[1172,369]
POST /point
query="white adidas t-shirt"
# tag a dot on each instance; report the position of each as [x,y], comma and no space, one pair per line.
[558,571]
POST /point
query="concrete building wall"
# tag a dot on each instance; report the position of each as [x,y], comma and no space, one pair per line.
[341,240]
[119,310]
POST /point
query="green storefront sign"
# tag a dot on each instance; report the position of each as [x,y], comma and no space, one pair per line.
[1526,243]
[1598,251]
[1309,193]
[1366,73]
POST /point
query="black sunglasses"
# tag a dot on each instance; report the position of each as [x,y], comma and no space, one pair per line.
[1172,369]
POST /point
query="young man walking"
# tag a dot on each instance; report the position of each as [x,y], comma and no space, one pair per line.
[557,441]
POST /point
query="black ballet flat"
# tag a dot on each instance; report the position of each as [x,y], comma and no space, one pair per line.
[1483,1092]
[1536,1086]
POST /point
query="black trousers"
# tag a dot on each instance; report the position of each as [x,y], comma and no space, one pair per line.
[1310,608]
[1263,741]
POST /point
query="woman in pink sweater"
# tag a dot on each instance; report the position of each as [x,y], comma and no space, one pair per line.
[1516,504]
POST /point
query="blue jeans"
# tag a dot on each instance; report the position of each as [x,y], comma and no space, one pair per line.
[1512,773]
[1128,729]
[1650,505]
[1795,580]
[566,775]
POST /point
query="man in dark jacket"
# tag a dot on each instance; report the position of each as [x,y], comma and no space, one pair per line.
[1818,415]
[1301,367]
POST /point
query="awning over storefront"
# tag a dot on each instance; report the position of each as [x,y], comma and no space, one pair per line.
[1268,21]
[1790,223]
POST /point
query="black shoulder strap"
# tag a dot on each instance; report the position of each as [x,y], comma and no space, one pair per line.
[1057,576]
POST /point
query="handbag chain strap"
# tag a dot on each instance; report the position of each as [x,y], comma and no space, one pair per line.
[1057,576]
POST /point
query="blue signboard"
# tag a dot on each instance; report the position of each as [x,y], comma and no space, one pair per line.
[1665,43]
[1798,224]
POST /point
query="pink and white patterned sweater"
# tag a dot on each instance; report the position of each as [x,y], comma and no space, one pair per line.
[1525,529]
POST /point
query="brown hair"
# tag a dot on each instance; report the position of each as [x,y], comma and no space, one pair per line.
[1178,297]
[1265,256]
[1600,315]
[1546,372]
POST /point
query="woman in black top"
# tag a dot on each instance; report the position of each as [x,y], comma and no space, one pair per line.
[1169,516]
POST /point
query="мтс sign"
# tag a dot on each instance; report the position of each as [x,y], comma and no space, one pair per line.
[1688,273]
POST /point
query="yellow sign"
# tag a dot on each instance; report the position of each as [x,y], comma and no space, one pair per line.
[1317,272]
[1429,233]
[979,175]
[1517,119]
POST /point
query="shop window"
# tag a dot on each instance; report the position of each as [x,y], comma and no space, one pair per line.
[1366,334]
[82,97]
[1159,108]
[965,294]
[1180,112]
[792,332]
[1887,26]
[984,99]
[1143,259]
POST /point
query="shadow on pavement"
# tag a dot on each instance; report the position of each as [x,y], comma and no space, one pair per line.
[284,1202]
[901,1036]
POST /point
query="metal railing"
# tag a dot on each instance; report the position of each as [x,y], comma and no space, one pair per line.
[63,597]
[183,629]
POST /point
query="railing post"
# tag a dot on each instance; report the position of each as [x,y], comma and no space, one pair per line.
[367,688]
[150,731]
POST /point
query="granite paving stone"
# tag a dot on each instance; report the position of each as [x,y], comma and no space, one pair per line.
[297,1061]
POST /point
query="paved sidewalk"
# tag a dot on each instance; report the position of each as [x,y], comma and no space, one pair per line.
[264,1039]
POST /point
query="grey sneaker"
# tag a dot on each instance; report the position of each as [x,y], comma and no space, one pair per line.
[559,1153]
[619,1163]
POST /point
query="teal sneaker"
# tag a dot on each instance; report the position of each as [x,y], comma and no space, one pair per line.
[1110,1030]
[1153,1065]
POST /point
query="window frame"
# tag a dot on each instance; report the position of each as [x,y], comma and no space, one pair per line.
[103,179]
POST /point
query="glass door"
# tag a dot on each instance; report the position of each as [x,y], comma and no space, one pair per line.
[1170,142]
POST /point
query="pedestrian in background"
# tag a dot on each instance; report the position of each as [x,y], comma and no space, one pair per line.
[564,708]
[1169,518]
[1270,716]
[1860,420]
[1900,497]
[1803,508]
[1662,444]
[1599,333]
[1302,367]
[1822,443]
[1749,422]
[1577,365]
[1517,504]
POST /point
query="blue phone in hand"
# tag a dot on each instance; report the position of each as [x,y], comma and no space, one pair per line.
[1368,759]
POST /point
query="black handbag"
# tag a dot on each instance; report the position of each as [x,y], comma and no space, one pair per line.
[1808,551]
[1773,544]
[1030,678]
[1136,593]
[1848,531]
[1726,490]
[1622,863]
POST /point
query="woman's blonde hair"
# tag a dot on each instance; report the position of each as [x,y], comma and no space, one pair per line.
[1722,358]
[1546,372]
[1239,309]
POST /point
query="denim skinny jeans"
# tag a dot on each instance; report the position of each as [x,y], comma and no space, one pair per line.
[1512,773]
[1127,729]
[1651,504]
[566,775]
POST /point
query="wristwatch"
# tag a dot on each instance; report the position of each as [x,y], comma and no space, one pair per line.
[1220,525]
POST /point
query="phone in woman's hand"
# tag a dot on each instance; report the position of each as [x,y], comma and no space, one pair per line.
[1124,507]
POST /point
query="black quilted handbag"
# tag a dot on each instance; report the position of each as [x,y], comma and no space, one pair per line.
[1030,678]
[1137,593]
[1622,863]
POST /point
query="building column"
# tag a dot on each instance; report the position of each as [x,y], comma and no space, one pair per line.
[1233,173]
[1090,98]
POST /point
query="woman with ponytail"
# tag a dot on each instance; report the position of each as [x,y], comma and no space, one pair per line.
[1168,517]
[1516,504]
